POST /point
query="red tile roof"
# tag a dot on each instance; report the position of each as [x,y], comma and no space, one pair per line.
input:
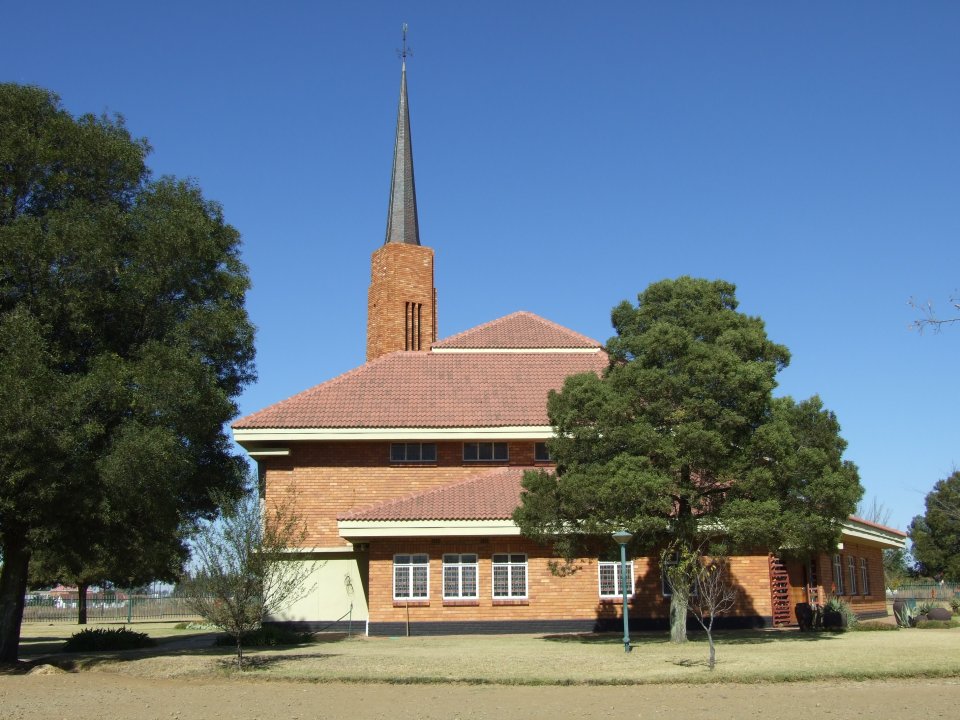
[519,330]
[437,390]
[447,390]
[885,528]
[490,495]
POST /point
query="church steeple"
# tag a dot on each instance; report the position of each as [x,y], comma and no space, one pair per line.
[402,301]
[402,226]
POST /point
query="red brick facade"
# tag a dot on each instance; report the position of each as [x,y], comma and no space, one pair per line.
[402,301]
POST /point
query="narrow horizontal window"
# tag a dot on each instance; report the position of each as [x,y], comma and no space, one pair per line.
[486,452]
[413,452]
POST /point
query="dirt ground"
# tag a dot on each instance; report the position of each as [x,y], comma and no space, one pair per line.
[53,695]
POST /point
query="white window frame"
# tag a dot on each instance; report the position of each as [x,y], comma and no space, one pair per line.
[511,566]
[617,578]
[406,446]
[406,564]
[864,576]
[493,452]
[838,574]
[852,573]
[458,566]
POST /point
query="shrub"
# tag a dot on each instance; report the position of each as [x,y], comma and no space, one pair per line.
[836,606]
[937,624]
[267,636]
[955,605]
[875,625]
[107,639]
[925,607]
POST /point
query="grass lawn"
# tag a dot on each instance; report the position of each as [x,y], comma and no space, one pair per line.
[742,656]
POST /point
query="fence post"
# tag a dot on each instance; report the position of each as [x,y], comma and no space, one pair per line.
[129,606]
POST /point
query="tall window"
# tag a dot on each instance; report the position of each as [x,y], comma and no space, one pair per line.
[852,573]
[864,577]
[411,577]
[509,576]
[838,574]
[413,452]
[460,577]
[611,579]
[480,451]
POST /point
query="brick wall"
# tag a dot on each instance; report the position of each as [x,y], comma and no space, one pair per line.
[573,597]
[402,301]
[872,603]
[331,478]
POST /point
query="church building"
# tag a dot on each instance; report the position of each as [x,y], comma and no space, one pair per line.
[407,471]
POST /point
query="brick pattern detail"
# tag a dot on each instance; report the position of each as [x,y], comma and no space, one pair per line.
[573,597]
[402,301]
[331,478]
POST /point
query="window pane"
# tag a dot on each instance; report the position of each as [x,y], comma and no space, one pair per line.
[500,451]
[468,558]
[470,451]
[501,558]
[396,452]
[401,560]
[423,558]
[540,452]
[518,558]
[500,581]
[401,582]
[419,581]
[518,584]
[428,452]
[413,452]
[451,558]
[486,451]
[607,579]
[451,581]
[469,581]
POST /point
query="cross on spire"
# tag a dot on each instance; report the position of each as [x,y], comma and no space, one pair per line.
[404,51]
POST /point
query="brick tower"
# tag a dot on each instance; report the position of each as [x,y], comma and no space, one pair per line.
[402,302]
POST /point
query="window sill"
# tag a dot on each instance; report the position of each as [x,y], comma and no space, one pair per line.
[461,603]
[615,600]
[511,601]
[411,603]
[413,463]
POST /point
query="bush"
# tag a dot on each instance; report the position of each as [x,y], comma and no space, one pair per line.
[107,639]
[925,607]
[937,624]
[874,625]
[267,636]
[955,605]
[840,609]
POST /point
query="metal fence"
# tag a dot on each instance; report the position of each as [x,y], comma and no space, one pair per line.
[106,607]
[930,592]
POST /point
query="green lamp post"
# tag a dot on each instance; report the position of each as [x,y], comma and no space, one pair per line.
[622,537]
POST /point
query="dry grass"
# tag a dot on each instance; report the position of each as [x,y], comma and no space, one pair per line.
[745,657]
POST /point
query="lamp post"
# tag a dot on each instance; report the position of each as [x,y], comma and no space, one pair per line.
[622,537]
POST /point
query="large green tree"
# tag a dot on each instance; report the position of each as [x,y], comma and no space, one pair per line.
[936,533]
[682,443]
[123,343]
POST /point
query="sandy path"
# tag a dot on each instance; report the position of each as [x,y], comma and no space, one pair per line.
[105,695]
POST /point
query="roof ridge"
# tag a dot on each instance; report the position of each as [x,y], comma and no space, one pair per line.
[476,477]
[518,313]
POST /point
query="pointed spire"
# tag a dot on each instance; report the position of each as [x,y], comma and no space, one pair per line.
[402,225]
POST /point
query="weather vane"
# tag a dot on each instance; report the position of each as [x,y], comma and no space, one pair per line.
[404,51]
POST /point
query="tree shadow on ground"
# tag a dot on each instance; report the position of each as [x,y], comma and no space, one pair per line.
[191,645]
[727,637]
[265,662]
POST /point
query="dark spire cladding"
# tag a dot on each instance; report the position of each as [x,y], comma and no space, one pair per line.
[402,225]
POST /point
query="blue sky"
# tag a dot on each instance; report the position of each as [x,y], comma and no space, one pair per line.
[568,155]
